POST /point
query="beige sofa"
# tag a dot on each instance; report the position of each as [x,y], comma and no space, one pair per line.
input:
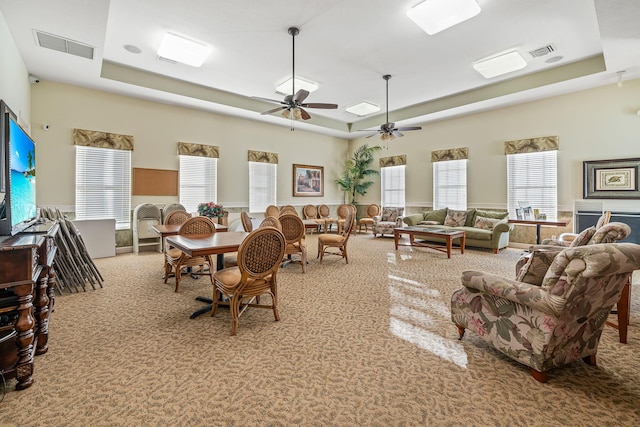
[483,228]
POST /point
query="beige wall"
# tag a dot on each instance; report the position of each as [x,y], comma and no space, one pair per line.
[593,124]
[14,78]
[157,128]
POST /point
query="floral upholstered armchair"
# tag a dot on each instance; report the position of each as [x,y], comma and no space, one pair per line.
[545,321]
[389,219]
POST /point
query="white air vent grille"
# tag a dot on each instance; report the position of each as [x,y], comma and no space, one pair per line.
[542,51]
[61,44]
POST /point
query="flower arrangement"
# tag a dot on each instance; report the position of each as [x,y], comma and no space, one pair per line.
[211,210]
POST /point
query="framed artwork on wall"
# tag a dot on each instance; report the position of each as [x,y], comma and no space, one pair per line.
[611,179]
[308,181]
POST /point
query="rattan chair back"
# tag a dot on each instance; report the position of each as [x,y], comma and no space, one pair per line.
[343,210]
[288,209]
[373,210]
[197,226]
[271,221]
[292,227]
[310,212]
[323,211]
[246,222]
[261,252]
[176,217]
[272,211]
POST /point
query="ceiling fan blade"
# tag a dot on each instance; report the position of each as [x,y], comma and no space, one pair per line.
[409,128]
[304,114]
[268,100]
[396,134]
[320,105]
[300,96]
[373,134]
[274,110]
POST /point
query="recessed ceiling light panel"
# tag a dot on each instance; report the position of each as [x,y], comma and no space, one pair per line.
[363,108]
[180,49]
[499,65]
[434,16]
[285,87]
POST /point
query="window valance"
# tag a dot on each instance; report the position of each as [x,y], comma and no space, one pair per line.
[199,150]
[400,160]
[263,157]
[450,154]
[531,145]
[96,139]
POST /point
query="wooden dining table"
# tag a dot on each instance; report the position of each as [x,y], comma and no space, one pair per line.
[215,244]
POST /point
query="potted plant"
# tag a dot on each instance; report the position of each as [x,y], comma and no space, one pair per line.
[356,170]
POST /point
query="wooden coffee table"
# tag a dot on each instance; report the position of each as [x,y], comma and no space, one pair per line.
[447,235]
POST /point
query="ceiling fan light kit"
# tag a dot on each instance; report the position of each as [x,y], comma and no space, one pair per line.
[434,16]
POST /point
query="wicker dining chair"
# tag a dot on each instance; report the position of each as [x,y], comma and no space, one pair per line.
[246,222]
[372,210]
[176,217]
[259,258]
[171,207]
[342,211]
[272,211]
[325,215]
[271,221]
[338,241]
[288,209]
[199,226]
[294,232]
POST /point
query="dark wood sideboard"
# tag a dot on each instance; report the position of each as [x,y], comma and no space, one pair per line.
[27,282]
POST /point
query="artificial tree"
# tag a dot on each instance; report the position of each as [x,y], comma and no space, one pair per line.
[356,170]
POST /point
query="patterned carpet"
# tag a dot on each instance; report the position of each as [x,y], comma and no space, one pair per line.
[370,343]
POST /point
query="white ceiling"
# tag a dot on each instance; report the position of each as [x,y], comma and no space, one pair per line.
[344,45]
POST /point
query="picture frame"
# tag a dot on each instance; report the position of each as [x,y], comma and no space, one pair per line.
[611,179]
[308,181]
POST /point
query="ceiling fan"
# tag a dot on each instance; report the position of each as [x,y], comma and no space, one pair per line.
[293,106]
[389,131]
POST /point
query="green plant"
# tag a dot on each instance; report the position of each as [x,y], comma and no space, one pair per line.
[356,170]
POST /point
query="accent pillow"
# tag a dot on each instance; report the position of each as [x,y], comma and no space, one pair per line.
[485,223]
[583,238]
[455,218]
[438,215]
[537,266]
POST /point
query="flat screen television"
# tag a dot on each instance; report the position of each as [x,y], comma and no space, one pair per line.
[18,210]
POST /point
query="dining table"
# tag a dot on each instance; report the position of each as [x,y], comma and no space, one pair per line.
[214,244]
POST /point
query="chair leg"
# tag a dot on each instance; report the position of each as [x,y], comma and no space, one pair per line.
[234,309]
[460,331]
[540,376]
[214,302]
[178,271]
[344,254]
[590,360]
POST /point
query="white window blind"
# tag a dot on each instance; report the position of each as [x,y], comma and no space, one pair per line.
[198,181]
[392,178]
[262,186]
[532,178]
[103,184]
[450,184]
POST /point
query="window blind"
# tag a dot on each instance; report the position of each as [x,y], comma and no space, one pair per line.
[262,186]
[532,178]
[450,184]
[198,181]
[103,184]
[392,178]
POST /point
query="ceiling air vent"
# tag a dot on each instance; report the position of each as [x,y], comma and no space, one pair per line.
[61,44]
[543,51]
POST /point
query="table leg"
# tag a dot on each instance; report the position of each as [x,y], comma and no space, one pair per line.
[463,242]
[538,230]
[208,301]
[623,306]
[449,241]
[396,235]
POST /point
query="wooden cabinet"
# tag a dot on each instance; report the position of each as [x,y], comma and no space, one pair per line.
[26,301]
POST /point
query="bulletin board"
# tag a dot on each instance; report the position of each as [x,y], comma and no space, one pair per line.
[154,182]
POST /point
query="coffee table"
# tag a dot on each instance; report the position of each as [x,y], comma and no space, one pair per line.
[447,235]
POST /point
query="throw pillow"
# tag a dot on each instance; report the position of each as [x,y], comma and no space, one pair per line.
[455,218]
[537,266]
[438,215]
[583,238]
[485,223]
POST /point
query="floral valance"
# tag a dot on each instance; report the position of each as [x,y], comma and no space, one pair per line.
[400,160]
[92,138]
[531,145]
[263,157]
[450,154]
[199,150]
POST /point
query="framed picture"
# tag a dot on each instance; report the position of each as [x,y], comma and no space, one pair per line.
[611,179]
[308,181]
[519,214]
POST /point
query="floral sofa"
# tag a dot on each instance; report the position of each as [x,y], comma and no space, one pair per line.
[551,319]
[483,228]
[389,219]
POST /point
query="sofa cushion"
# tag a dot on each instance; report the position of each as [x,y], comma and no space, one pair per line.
[455,218]
[473,233]
[485,223]
[471,217]
[492,214]
[438,215]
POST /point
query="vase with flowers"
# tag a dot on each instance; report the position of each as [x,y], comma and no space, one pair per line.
[211,210]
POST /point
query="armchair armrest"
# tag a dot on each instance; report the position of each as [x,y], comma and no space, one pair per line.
[377,218]
[518,292]
[502,227]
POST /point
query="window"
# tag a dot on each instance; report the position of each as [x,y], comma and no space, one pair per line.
[392,178]
[262,185]
[532,178]
[103,184]
[198,181]
[450,184]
